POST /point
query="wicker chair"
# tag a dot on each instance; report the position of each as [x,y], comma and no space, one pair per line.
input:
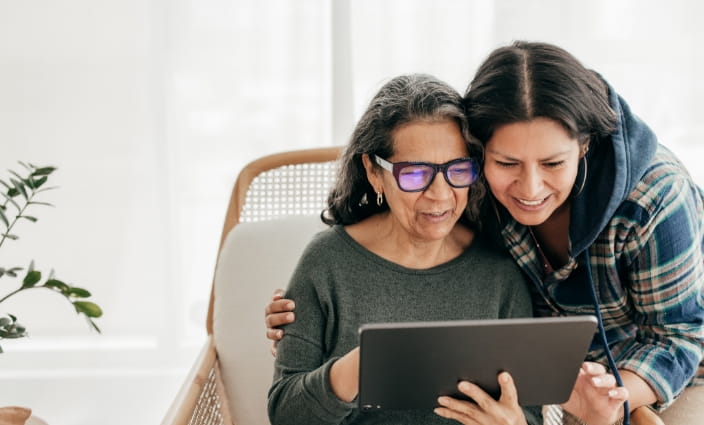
[273,212]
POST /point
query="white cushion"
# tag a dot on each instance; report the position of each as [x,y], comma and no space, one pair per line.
[255,259]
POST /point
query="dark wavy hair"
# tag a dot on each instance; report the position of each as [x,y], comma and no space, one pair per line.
[404,99]
[528,80]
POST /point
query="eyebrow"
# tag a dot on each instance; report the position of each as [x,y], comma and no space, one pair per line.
[510,158]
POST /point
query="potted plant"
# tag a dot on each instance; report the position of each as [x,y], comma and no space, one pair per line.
[20,194]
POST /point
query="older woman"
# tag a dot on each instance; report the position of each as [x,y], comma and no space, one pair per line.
[402,246]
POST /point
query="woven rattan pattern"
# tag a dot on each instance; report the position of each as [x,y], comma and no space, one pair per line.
[208,408]
[299,189]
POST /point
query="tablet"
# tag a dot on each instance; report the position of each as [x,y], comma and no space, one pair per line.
[409,365]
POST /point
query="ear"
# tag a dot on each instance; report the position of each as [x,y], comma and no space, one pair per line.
[372,174]
[583,149]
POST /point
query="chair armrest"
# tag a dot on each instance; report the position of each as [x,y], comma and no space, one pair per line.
[201,399]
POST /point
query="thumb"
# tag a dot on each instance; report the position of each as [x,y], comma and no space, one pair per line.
[509,394]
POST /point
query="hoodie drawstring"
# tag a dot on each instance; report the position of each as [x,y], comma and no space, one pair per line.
[602,334]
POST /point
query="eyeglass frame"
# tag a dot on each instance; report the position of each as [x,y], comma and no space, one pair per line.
[395,169]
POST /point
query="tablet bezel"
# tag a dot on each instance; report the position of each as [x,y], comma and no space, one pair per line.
[408,365]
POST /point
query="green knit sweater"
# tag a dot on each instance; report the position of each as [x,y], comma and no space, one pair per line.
[339,285]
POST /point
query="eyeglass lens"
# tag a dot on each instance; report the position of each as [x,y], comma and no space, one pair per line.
[420,176]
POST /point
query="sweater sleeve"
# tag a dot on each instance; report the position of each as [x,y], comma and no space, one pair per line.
[305,397]
[666,272]
[301,391]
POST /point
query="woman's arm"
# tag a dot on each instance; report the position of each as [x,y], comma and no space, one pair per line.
[663,263]
[302,394]
[304,389]
[344,376]
[640,392]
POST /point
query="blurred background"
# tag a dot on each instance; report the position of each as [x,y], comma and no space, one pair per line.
[149,109]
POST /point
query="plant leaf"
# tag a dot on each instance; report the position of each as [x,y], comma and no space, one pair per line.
[56,284]
[28,217]
[4,219]
[88,308]
[78,293]
[43,171]
[38,182]
[44,189]
[19,186]
[31,279]
[9,236]
[92,323]
[39,203]
[12,333]
[16,175]
[24,181]
[9,198]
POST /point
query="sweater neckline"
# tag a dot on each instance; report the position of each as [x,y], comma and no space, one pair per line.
[440,268]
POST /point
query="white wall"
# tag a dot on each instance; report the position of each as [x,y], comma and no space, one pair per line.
[150,108]
[81,88]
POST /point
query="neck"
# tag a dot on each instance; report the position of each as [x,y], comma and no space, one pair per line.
[382,237]
[553,236]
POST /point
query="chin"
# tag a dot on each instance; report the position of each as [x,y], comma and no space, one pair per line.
[529,219]
[436,234]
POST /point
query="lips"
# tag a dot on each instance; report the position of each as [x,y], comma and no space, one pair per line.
[436,215]
[531,204]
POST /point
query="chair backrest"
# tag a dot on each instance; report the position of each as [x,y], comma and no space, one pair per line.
[274,212]
[279,185]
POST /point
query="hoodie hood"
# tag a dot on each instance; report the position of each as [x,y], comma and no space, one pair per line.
[615,164]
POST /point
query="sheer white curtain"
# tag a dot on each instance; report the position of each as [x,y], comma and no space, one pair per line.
[150,108]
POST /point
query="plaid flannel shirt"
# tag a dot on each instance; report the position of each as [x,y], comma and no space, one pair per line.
[648,271]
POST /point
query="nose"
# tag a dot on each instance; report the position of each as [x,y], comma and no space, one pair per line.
[439,188]
[530,182]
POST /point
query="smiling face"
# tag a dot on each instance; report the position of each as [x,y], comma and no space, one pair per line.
[429,215]
[531,168]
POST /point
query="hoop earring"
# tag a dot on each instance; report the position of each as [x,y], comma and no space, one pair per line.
[379,198]
[584,177]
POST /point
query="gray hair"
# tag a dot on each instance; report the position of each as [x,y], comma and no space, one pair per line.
[404,99]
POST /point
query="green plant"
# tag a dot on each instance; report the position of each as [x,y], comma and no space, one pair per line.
[18,195]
